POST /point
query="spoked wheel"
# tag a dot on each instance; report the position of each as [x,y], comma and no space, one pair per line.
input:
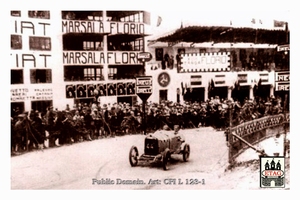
[165,158]
[133,156]
[186,152]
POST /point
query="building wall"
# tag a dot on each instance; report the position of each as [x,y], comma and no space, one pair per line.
[28,58]
[54,32]
[222,78]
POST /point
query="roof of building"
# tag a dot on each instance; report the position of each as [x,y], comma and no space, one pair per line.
[221,34]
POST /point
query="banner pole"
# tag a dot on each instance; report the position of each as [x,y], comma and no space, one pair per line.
[284,126]
[229,133]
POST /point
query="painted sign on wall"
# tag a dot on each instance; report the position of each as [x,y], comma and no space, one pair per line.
[282,81]
[201,62]
[100,58]
[34,94]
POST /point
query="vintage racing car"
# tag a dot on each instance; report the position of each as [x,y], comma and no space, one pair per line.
[158,148]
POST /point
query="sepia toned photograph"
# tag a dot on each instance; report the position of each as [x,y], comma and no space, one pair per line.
[146,99]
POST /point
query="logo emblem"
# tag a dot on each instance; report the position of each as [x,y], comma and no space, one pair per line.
[163,79]
[272,172]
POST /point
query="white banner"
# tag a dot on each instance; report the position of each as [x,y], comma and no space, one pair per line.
[205,61]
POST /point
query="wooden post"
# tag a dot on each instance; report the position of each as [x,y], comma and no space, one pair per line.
[229,133]
[284,124]
[144,118]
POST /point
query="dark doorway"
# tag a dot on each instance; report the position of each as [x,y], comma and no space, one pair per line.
[263,91]
[221,92]
[41,106]
[16,108]
[241,93]
[194,95]
[163,95]
[282,94]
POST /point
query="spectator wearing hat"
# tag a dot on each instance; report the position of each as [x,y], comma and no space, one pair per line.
[39,129]
[106,121]
[31,134]
[67,107]
[69,128]
[113,121]
[78,123]
[50,117]
[202,114]
[89,125]
[268,108]
[18,134]
[98,123]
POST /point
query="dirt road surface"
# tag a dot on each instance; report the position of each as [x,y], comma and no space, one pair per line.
[104,165]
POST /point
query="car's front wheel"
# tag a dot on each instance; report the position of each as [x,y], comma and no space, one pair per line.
[133,156]
[186,152]
[165,158]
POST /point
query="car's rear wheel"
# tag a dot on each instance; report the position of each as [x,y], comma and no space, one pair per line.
[186,152]
[133,156]
[165,158]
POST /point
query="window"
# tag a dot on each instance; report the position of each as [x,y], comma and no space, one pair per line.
[243,55]
[83,73]
[91,74]
[15,13]
[96,18]
[112,73]
[39,14]
[92,45]
[202,50]
[135,45]
[138,17]
[41,106]
[138,44]
[16,42]
[159,52]
[16,76]
[222,50]
[40,43]
[40,76]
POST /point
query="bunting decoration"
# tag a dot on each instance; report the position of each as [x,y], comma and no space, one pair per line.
[211,87]
[279,23]
[257,87]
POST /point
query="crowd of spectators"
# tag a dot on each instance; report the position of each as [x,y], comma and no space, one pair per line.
[84,122]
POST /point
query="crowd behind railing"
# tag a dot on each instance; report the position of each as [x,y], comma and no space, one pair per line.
[253,62]
[83,122]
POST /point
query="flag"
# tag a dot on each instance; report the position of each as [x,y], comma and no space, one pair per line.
[279,23]
[147,16]
[257,88]
[260,21]
[237,85]
[159,20]
[253,21]
[182,89]
[211,86]
[230,22]
[235,90]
